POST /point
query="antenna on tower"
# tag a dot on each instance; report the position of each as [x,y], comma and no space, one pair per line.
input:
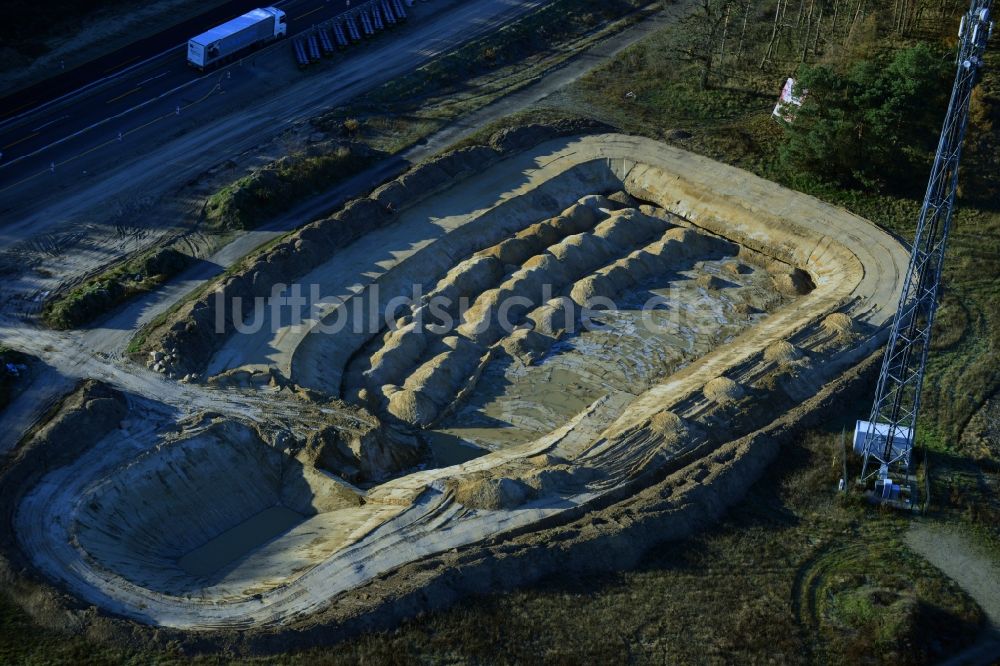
[886,439]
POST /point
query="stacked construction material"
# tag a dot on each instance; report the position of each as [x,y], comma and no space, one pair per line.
[366,19]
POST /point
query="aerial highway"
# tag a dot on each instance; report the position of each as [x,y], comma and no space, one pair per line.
[154,118]
[133,86]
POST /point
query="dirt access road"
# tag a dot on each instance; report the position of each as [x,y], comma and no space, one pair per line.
[975,572]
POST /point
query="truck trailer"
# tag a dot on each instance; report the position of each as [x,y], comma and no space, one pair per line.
[243,33]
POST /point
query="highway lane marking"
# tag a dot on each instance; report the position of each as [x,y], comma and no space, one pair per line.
[51,122]
[115,99]
[90,85]
[152,78]
[119,115]
[122,63]
[116,140]
[302,16]
[30,136]
[172,91]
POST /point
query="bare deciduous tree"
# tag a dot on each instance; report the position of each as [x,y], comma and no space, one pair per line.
[704,27]
[743,31]
[775,29]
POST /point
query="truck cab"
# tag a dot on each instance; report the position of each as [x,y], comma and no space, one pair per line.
[280,24]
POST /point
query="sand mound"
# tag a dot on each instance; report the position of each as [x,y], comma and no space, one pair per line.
[559,480]
[512,251]
[533,240]
[782,352]
[624,198]
[710,282]
[401,350]
[440,378]
[545,460]
[644,264]
[659,213]
[598,203]
[577,219]
[541,235]
[665,427]
[695,244]
[591,288]
[469,277]
[480,321]
[551,318]
[581,254]
[794,283]
[723,389]
[527,346]
[551,266]
[628,228]
[620,276]
[492,494]
[668,425]
[839,323]
[664,255]
[412,407]
[528,283]
[686,237]
[637,265]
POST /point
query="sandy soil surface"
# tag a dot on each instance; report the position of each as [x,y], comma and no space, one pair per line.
[855,267]
[976,571]
[513,402]
[23,293]
[73,233]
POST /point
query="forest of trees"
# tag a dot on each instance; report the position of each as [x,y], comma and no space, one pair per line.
[877,73]
[725,36]
[872,124]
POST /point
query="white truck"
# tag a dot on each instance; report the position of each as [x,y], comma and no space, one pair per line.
[256,27]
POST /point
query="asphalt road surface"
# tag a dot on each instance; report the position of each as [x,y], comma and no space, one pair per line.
[114,158]
[111,93]
[113,64]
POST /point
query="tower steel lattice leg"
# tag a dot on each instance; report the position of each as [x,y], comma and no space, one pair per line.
[891,428]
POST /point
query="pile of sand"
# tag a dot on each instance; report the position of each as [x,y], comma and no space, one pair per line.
[400,352]
[839,323]
[625,199]
[723,390]
[792,283]
[412,407]
[670,427]
[710,282]
[628,228]
[527,346]
[468,278]
[552,318]
[492,494]
[782,352]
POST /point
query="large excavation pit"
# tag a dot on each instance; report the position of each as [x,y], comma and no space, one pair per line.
[218,511]
[661,306]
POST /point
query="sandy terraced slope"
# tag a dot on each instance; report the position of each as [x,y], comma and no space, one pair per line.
[730,391]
